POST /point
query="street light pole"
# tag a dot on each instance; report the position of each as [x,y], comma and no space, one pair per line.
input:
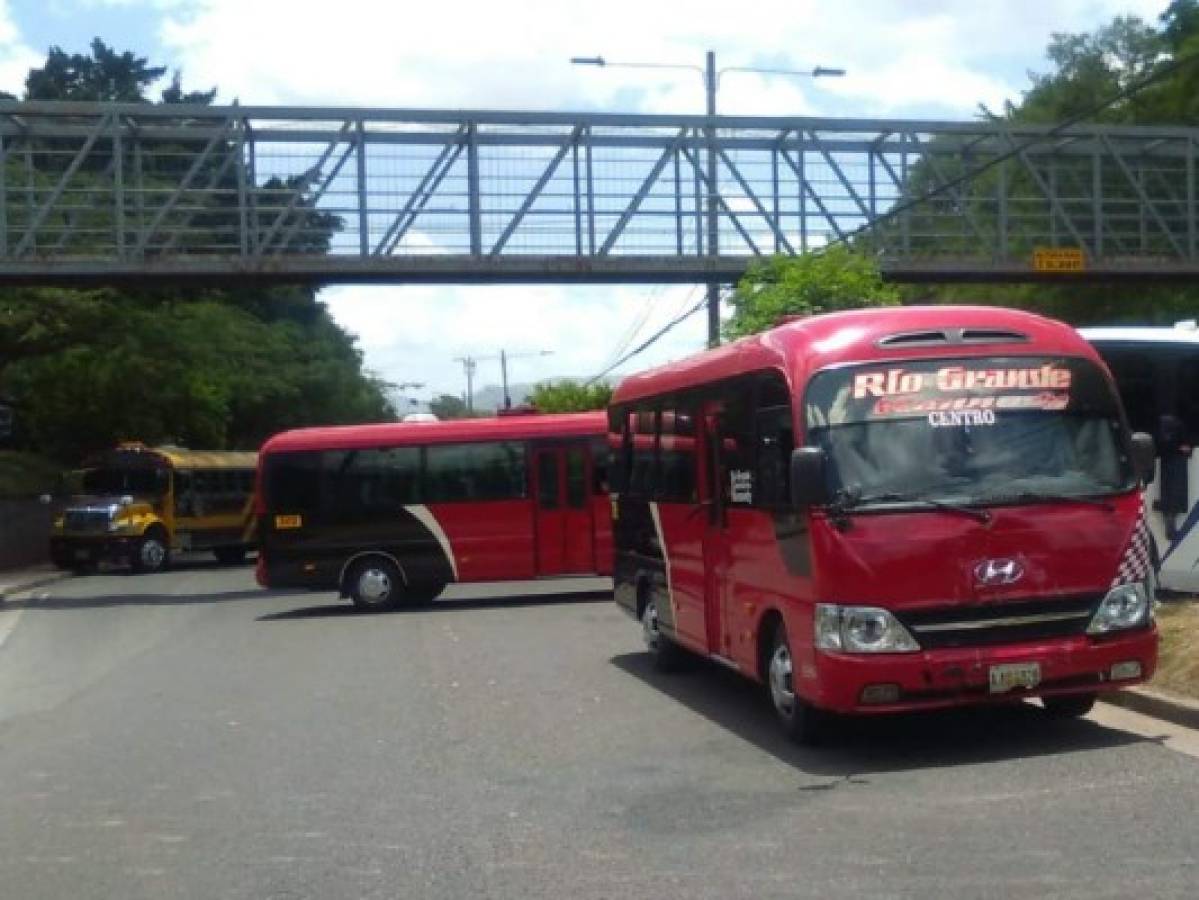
[713,201]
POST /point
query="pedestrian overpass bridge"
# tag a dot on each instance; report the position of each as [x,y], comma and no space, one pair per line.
[104,193]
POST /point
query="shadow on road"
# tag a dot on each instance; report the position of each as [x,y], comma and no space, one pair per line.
[863,745]
[346,608]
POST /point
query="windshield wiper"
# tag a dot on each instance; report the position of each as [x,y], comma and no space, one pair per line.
[979,515]
[1036,497]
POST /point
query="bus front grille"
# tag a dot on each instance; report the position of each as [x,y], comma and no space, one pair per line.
[1010,622]
[87,520]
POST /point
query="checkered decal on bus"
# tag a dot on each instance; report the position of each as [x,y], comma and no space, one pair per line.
[1137,562]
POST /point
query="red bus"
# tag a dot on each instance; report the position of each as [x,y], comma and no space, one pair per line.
[392,513]
[887,510]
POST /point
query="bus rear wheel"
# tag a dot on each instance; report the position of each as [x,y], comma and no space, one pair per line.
[230,556]
[375,583]
[801,722]
[667,656]
[151,554]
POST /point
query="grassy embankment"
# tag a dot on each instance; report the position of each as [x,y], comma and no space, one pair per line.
[1178,662]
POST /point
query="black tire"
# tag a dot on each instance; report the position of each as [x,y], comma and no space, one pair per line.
[800,721]
[375,583]
[665,654]
[151,554]
[230,556]
[1069,706]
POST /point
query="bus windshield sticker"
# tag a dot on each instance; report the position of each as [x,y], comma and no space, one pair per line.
[960,394]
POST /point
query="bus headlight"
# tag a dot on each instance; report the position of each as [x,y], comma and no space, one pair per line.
[860,629]
[1125,606]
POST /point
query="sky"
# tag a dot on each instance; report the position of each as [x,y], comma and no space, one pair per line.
[904,59]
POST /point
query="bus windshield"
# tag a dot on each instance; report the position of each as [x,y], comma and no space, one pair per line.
[969,431]
[141,481]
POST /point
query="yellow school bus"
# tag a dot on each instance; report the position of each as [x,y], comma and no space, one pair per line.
[140,504]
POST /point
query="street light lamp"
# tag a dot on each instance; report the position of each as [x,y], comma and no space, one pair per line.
[711,76]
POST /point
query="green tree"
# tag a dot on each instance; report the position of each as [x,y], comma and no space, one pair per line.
[568,395]
[103,75]
[447,406]
[209,368]
[832,279]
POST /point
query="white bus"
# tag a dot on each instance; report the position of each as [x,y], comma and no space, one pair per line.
[1157,373]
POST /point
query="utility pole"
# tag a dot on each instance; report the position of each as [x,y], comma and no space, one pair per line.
[469,364]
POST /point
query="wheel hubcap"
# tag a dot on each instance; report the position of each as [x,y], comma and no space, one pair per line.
[152,554]
[374,586]
[782,692]
[649,625]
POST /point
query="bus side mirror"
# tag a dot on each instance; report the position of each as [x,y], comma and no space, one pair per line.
[809,484]
[1144,455]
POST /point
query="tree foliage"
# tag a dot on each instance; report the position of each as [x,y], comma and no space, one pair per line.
[780,286]
[1085,70]
[203,367]
[447,406]
[568,395]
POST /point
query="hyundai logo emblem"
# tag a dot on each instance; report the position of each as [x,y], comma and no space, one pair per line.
[995,572]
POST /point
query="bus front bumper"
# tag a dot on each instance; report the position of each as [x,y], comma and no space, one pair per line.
[69,551]
[930,679]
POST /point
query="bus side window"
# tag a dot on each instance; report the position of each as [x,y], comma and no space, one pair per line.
[619,447]
[601,459]
[643,470]
[735,423]
[185,494]
[775,440]
[677,482]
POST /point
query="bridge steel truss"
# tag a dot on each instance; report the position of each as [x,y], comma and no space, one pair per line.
[102,192]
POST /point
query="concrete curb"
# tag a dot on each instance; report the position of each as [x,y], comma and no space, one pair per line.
[1158,704]
[27,581]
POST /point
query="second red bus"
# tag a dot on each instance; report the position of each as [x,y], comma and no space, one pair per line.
[393,513]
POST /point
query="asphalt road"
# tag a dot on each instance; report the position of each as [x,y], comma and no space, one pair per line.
[187,735]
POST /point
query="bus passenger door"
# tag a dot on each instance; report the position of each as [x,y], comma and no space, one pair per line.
[715,544]
[562,511]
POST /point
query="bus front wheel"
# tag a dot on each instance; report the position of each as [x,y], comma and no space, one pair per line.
[1069,706]
[151,554]
[375,583]
[802,722]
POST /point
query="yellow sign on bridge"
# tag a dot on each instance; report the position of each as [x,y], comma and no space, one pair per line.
[1058,259]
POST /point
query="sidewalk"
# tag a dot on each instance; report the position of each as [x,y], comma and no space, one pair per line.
[1156,703]
[18,580]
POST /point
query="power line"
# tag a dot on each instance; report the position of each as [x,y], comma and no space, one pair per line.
[651,340]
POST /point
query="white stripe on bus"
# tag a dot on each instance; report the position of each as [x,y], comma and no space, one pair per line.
[653,511]
[426,518]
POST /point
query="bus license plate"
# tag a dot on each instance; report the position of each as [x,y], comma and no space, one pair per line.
[1012,675]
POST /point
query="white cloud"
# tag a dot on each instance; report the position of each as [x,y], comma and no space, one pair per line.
[16,57]
[414,333]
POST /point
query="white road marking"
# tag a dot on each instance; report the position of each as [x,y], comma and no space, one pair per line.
[1175,737]
[8,621]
